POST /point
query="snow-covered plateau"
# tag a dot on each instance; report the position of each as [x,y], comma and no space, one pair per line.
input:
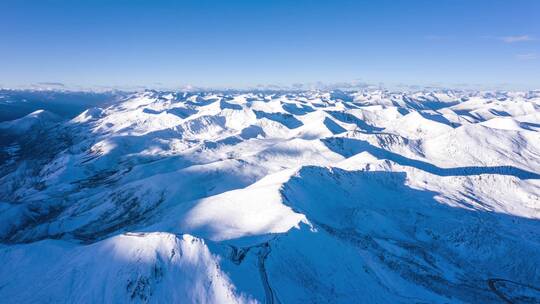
[271,197]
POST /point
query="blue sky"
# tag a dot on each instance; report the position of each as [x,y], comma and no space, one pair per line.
[240,44]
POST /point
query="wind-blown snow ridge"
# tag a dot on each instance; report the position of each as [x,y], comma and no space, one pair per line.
[369,196]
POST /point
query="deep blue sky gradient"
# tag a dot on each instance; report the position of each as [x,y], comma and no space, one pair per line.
[245,43]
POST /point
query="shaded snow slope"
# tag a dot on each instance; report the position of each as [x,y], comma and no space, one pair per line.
[36,119]
[370,196]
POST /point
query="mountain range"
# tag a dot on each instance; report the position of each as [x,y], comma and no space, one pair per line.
[367,196]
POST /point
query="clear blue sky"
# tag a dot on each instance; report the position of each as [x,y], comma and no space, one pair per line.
[245,43]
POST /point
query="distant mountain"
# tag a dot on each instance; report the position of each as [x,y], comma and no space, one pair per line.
[18,103]
[365,196]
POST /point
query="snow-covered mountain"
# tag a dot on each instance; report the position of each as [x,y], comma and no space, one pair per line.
[301,197]
[16,103]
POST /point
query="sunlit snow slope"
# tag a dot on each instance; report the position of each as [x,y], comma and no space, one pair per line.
[312,197]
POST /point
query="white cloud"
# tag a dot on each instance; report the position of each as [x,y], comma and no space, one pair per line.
[517,38]
[528,56]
